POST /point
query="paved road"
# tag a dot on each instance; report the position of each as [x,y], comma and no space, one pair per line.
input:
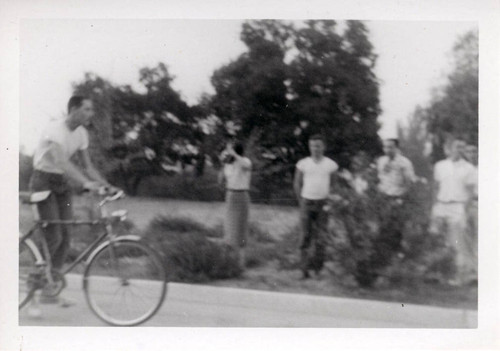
[204,306]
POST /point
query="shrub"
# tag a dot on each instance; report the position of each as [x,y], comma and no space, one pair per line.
[191,254]
[353,239]
[354,231]
[188,253]
[288,249]
[261,247]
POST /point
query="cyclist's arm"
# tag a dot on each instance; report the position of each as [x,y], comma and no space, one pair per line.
[68,167]
[89,168]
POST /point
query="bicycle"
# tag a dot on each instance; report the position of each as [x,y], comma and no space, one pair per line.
[124,280]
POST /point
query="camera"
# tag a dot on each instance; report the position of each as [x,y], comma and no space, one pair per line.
[228,158]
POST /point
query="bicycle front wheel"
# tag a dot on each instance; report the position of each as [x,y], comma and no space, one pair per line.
[27,272]
[125,283]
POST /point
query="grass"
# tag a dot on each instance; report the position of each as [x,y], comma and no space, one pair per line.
[264,272]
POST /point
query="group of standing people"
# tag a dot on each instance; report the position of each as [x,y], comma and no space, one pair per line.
[454,212]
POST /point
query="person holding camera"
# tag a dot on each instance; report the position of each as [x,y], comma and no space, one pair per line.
[236,175]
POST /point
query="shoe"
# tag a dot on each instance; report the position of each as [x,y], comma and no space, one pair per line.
[49,300]
[57,300]
[66,302]
[34,310]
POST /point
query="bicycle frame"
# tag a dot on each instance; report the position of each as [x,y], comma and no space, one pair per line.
[103,221]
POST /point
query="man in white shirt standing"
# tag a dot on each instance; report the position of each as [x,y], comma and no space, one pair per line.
[454,182]
[312,181]
[472,156]
[396,175]
[395,172]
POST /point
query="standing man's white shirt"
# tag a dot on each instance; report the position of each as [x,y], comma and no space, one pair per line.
[394,175]
[454,178]
[316,177]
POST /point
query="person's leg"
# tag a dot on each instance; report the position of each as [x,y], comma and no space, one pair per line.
[306,220]
[320,238]
[64,202]
[230,222]
[472,237]
[243,212]
[386,239]
[48,210]
[458,234]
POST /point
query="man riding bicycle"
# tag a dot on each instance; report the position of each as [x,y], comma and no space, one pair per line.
[53,169]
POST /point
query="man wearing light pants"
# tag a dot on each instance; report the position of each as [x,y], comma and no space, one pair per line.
[454,180]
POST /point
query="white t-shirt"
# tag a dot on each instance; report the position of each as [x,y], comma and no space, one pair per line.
[45,159]
[394,175]
[238,174]
[454,178]
[316,180]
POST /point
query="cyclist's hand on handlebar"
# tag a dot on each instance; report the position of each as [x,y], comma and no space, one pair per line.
[112,190]
[92,186]
[107,190]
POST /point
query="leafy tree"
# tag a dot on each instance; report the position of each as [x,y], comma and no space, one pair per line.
[293,82]
[454,110]
[128,123]
[415,142]
[334,88]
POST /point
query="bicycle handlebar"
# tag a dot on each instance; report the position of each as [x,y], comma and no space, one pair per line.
[110,198]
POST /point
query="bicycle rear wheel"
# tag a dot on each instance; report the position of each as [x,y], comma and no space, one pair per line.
[27,273]
[125,283]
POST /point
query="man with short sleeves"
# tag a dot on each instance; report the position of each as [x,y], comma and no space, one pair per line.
[53,169]
[472,157]
[395,172]
[312,182]
[454,188]
[396,175]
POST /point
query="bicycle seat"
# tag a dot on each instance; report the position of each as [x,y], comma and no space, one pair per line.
[33,198]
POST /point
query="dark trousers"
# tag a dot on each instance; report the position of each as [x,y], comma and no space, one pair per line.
[314,221]
[388,241]
[57,207]
[391,231]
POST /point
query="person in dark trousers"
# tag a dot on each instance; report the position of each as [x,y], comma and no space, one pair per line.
[395,177]
[312,181]
[53,169]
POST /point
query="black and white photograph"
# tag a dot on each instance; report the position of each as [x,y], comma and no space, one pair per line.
[319,172]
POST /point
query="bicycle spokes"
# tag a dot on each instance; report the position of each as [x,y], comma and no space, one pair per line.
[125,283]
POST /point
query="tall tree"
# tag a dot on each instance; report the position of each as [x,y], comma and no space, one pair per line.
[127,122]
[416,142]
[454,109]
[334,89]
[296,81]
